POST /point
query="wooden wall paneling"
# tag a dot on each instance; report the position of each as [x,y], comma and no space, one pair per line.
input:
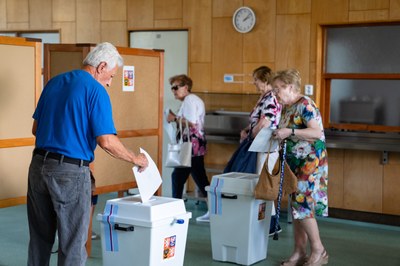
[167,9]
[114,32]
[368,15]
[3,15]
[335,177]
[223,8]
[16,26]
[88,26]
[231,102]
[248,102]
[391,182]
[63,11]
[218,154]
[18,11]
[201,76]
[363,181]
[312,80]
[140,14]
[67,31]
[227,55]
[293,7]
[319,69]
[168,23]
[323,12]
[394,11]
[293,43]
[113,10]
[40,14]
[258,45]
[368,4]
[197,17]
[20,84]
[248,68]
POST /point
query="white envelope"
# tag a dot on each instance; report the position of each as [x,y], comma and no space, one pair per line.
[261,142]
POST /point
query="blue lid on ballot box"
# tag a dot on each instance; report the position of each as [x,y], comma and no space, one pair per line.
[235,183]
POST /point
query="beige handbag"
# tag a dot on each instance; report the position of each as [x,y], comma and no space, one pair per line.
[267,187]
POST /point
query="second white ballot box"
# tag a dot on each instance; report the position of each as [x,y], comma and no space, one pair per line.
[239,223]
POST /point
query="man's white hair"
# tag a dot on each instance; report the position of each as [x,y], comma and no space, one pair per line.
[104,52]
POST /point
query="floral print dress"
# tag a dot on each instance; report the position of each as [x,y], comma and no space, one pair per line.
[308,161]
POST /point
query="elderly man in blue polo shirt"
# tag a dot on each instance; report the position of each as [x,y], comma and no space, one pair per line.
[73,116]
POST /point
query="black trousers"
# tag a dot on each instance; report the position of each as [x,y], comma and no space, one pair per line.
[198,172]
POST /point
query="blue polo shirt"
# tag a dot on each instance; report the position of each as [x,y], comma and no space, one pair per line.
[72,111]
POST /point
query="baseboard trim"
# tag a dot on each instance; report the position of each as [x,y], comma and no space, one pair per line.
[368,217]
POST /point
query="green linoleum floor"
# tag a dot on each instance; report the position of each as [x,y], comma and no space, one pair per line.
[347,242]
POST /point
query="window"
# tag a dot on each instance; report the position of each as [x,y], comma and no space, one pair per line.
[361,77]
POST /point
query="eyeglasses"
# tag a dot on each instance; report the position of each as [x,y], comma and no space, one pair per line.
[176,87]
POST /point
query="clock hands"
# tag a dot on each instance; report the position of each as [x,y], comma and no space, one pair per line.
[247,17]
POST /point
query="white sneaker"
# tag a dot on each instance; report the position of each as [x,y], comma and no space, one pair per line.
[94,235]
[205,218]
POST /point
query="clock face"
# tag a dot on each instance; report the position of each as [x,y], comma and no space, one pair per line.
[244,19]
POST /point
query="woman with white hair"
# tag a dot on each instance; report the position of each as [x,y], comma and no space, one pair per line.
[301,125]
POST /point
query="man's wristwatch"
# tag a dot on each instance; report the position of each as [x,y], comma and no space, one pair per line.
[293,133]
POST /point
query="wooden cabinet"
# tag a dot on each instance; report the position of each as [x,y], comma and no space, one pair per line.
[362,181]
[391,183]
[359,181]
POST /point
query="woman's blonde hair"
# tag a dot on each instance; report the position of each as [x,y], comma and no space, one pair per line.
[289,76]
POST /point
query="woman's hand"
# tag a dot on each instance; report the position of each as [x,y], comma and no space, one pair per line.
[171,117]
[243,135]
[282,133]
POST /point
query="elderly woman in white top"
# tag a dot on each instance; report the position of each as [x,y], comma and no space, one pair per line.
[192,110]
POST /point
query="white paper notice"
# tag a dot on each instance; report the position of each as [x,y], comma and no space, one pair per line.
[128,78]
[149,180]
[261,142]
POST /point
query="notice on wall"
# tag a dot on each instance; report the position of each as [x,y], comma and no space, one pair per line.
[128,78]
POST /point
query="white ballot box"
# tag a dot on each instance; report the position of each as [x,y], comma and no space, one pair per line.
[152,233]
[239,223]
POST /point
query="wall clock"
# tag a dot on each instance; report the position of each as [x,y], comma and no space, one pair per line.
[244,19]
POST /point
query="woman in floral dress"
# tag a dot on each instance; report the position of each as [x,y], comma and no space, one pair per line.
[306,154]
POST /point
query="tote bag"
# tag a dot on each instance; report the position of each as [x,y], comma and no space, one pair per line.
[243,160]
[267,187]
[179,155]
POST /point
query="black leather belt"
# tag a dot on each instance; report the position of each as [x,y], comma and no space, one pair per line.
[59,157]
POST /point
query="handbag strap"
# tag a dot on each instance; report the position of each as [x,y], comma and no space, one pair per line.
[266,161]
[187,130]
